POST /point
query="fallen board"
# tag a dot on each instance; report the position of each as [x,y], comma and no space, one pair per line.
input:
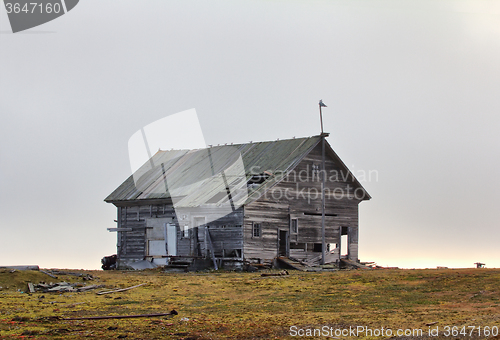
[296,265]
[354,264]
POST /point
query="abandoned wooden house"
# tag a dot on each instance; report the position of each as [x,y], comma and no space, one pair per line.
[231,205]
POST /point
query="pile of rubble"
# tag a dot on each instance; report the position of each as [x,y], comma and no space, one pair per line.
[60,287]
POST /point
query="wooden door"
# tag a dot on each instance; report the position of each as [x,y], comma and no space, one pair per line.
[171,237]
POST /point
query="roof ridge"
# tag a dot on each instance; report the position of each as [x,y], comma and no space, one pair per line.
[241,144]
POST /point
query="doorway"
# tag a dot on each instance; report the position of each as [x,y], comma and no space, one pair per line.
[344,242]
[283,243]
[171,238]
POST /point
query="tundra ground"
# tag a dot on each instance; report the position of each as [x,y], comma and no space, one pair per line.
[229,305]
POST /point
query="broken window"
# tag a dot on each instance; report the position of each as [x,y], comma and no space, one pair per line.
[258,178]
[314,213]
[301,246]
[315,172]
[256,229]
[318,248]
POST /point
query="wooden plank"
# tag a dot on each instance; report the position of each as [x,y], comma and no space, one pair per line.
[355,264]
[120,290]
[31,287]
[294,264]
[119,229]
[209,241]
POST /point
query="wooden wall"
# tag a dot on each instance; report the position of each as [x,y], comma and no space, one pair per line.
[132,223]
[226,232]
[299,196]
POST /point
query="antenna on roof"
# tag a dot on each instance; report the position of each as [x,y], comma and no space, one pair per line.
[321,104]
[323,172]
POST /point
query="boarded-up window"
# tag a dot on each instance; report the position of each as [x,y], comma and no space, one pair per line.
[256,229]
[294,226]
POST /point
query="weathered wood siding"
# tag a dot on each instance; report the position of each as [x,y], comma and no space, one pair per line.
[299,196]
[226,232]
[132,243]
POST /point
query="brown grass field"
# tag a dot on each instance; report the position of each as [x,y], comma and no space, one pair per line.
[230,305]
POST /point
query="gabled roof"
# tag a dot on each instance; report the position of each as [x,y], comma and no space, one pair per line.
[193,177]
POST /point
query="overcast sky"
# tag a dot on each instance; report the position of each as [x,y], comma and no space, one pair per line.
[412,89]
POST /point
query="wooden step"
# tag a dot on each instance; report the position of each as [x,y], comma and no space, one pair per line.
[294,264]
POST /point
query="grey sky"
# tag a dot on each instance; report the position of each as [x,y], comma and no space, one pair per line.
[411,87]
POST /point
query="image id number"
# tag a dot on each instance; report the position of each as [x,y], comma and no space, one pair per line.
[33,7]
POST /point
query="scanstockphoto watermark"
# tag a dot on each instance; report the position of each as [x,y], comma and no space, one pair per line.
[298,192]
[339,184]
[364,331]
[26,14]
[311,173]
[358,331]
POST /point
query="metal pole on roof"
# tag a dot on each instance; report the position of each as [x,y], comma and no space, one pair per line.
[321,104]
[323,175]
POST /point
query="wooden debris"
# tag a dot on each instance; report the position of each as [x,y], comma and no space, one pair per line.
[282,273]
[172,312]
[354,264]
[49,274]
[85,276]
[120,290]
[292,264]
[85,288]
[31,287]
[61,287]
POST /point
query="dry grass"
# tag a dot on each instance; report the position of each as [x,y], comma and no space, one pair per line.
[220,305]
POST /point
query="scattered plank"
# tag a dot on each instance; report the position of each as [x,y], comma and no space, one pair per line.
[49,274]
[292,264]
[172,312]
[119,229]
[354,264]
[120,290]
[282,273]
[31,287]
[85,288]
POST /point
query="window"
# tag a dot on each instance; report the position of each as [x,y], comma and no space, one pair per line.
[315,172]
[318,248]
[294,226]
[185,230]
[256,229]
